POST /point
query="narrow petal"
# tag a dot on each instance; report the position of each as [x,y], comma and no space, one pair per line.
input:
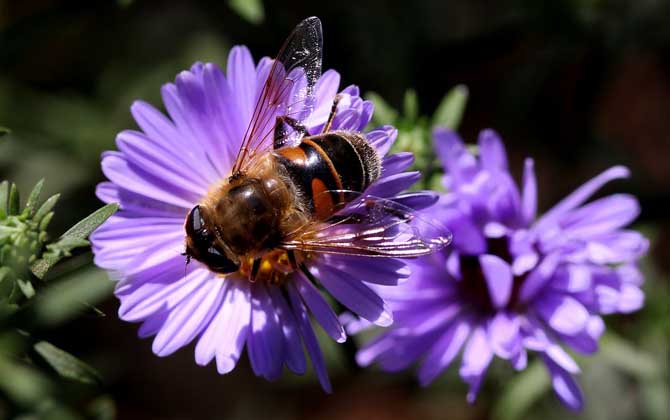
[603,215]
[227,332]
[295,357]
[492,151]
[443,351]
[394,184]
[539,277]
[476,359]
[580,195]
[563,313]
[320,309]
[565,386]
[355,295]
[503,332]
[265,345]
[529,192]
[188,319]
[396,163]
[311,343]
[382,139]
[498,275]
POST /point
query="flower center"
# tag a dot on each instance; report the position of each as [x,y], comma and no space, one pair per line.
[474,287]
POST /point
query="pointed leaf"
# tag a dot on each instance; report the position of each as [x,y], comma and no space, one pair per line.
[4,198]
[13,203]
[84,228]
[73,236]
[4,131]
[450,111]
[410,105]
[66,365]
[46,207]
[32,198]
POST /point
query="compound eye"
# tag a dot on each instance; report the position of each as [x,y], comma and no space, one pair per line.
[219,262]
[194,221]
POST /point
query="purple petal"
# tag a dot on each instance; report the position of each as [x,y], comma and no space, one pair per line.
[118,170]
[189,318]
[226,334]
[372,350]
[242,80]
[382,139]
[311,343]
[492,151]
[563,313]
[503,331]
[322,312]
[140,302]
[265,345]
[586,341]
[295,358]
[387,272]
[417,200]
[394,184]
[443,351]
[538,278]
[529,192]
[565,386]
[631,299]
[498,276]
[355,295]
[476,359]
[600,216]
[580,195]
[396,163]
[137,205]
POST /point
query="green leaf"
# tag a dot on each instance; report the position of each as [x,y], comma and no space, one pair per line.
[411,105]
[521,392]
[384,113]
[13,203]
[251,10]
[26,288]
[4,199]
[23,384]
[4,131]
[7,282]
[66,365]
[46,207]
[32,198]
[74,236]
[622,355]
[84,228]
[71,296]
[450,111]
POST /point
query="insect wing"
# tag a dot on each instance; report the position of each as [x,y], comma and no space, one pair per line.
[288,89]
[372,226]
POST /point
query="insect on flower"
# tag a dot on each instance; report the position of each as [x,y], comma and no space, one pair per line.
[292,194]
[257,194]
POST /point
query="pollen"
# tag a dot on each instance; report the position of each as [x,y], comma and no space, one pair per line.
[274,267]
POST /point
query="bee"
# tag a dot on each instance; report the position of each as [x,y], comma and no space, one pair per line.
[292,195]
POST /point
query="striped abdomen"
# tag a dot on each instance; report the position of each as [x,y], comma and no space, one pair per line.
[323,164]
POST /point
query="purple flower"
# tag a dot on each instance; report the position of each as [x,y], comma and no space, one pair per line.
[510,283]
[162,171]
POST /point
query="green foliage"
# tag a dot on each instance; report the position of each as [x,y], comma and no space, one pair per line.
[251,10]
[26,255]
[415,130]
[66,364]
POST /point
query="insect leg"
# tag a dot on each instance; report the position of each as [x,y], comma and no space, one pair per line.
[281,134]
[254,270]
[331,117]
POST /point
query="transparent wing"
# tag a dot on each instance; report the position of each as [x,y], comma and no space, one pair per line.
[288,89]
[371,226]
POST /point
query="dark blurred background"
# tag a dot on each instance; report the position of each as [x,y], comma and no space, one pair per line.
[579,85]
